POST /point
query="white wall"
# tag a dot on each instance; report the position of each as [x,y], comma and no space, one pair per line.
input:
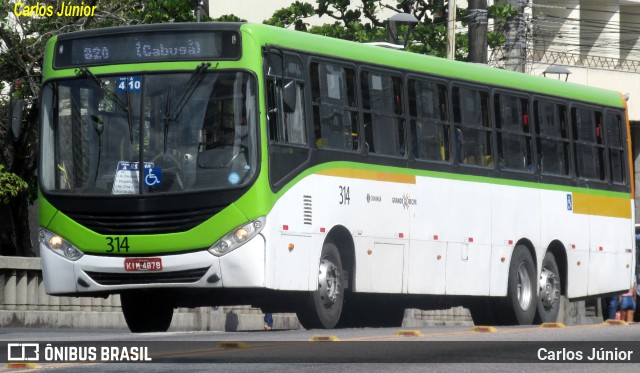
[623,82]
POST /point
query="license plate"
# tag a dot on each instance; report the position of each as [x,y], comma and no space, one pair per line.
[143,264]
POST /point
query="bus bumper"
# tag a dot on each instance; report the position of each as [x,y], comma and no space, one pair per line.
[243,267]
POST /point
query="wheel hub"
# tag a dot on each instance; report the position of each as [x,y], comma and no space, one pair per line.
[524,287]
[328,281]
[549,288]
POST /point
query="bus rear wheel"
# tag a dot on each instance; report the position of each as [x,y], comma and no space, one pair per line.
[146,311]
[323,307]
[549,295]
[519,307]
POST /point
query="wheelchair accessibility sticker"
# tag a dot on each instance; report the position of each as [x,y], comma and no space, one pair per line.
[153,177]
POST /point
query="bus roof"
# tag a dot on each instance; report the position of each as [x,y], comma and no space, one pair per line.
[470,72]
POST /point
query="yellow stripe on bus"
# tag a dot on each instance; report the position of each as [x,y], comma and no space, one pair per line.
[601,206]
[369,175]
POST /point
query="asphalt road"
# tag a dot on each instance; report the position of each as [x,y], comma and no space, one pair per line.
[582,348]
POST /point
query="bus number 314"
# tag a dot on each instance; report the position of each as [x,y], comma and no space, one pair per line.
[344,195]
[118,244]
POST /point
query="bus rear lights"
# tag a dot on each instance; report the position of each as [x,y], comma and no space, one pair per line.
[291,247]
[401,235]
[573,246]
[600,248]
[237,237]
[369,252]
[59,245]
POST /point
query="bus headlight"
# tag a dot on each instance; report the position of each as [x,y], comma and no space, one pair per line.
[237,237]
[59,245]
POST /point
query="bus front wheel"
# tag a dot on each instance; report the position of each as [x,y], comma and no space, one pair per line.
[146,311]
[323,306]
[520,304]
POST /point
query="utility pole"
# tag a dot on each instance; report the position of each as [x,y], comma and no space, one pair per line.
[478,22]
[515,34]
[451,30]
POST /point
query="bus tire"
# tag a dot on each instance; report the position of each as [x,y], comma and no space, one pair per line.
[519,307]
[146,312]
[323,307]
[482,310]
[549,291]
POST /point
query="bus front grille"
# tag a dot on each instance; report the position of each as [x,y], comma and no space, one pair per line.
[175,277]
[145,223]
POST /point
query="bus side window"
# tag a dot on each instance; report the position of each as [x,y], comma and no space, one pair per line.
[334,106]
[429,126]
[473,129]
[614,138]
[589,153]
[382,103]
[285,124]
[512,126]
[552,142]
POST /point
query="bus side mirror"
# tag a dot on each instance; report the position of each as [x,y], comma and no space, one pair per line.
[290,96]
[15,111]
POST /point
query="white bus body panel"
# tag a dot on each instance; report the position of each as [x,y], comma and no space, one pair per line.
[440,236]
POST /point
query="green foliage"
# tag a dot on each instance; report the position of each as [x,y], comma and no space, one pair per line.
[11,185]
[501,14]
[294,15]
[361,21]
[229,18]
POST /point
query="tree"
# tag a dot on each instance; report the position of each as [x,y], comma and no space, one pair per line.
[362,21]
[22,42]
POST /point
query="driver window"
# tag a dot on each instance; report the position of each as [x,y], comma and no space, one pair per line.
[286,126]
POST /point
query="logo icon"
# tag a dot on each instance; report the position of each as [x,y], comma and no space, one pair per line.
[153,176]
[23,352]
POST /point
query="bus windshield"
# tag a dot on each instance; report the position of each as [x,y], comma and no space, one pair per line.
[186,131]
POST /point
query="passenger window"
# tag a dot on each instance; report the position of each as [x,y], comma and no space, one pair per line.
[473,145]
[589,148]
[335,113]
[429,122]
[514,136]
[552,141]
[383,122]
[286,120]
[615,142]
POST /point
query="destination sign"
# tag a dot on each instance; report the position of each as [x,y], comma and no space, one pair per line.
[147,47]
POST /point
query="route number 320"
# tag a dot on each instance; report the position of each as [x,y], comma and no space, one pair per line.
[117,244]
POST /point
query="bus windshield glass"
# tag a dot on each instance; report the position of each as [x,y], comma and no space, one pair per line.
[154,133]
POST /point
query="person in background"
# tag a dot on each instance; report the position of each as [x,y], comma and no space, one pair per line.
[268,321]
[612,303]
[628,304]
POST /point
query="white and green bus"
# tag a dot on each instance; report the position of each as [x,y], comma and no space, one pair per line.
[205,164]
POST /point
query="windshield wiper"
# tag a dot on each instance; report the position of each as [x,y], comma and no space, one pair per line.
[184,97]
[124,106]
